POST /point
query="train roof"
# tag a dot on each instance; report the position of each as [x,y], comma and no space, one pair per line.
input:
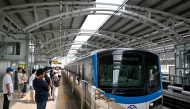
[106,51]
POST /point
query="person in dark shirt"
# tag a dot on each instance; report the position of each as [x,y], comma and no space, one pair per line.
[41,88]
[51,76]
[48,81]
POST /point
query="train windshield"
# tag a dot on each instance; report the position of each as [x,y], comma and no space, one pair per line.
[124,73]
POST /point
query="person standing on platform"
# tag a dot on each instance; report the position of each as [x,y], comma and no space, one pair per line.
[32,77]
[56,84]
[25,83]
[41,88]
[7,87]
[51,76]
[20,81]
[48,80]
[59,74]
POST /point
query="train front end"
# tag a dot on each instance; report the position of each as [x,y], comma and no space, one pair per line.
[131,77]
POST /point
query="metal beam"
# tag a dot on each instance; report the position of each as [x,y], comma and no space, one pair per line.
[83,21]
[143,2]
[13,22]
[89,42]
[72,44]
[176,5]
[93,31]
[35,13]
[124,25]
[90,3]
[71,23]
[42,8]
[114,24]
[184,11]
[91,34]
[158,4]
[138,25]
[2,18]
[122,12]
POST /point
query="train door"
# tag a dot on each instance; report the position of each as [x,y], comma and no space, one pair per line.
[91,75]
[83,71]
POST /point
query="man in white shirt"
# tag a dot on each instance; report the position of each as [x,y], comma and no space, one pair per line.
[7,87]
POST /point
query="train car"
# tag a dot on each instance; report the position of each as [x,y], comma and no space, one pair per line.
[132,77]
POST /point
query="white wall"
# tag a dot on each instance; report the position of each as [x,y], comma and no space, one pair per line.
[165,69]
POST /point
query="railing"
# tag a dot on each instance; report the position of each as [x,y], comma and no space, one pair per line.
[89,94]
[181,81]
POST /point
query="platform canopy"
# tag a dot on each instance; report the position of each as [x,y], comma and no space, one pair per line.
[77,27]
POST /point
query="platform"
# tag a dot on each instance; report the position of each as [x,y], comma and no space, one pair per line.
[65,100]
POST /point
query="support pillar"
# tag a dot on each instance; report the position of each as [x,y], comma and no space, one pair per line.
[27,55]
[2,48]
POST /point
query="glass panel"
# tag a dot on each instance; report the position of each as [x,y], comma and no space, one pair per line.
[179,61]
[10,48]
[187,59]
[187,48]
[187,44]
[180,47]
[187,76]
[153,72]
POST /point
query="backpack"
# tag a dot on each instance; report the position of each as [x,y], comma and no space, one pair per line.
[56,81]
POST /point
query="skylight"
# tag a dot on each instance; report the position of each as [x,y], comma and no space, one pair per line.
[94,22]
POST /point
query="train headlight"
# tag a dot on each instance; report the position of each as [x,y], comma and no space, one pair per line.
[151,104]
[155,103]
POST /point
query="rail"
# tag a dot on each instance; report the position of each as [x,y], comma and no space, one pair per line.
[180,81]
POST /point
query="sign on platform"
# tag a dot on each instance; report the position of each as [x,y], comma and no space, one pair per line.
[54,62]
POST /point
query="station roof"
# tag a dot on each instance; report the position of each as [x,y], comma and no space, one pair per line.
[153,25]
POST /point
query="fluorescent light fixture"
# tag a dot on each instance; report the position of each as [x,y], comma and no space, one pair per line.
[94,22]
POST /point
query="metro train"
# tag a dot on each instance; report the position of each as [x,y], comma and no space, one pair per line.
[131,76]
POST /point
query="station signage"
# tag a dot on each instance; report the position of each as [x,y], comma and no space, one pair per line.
[55,62]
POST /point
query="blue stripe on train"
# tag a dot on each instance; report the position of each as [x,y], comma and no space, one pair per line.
[135,100]
[95,69]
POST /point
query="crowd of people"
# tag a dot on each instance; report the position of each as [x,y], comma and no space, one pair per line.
[43,84]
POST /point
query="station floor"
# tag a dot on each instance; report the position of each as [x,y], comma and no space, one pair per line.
[65,99]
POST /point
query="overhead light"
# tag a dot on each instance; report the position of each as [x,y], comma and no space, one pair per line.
[91,25]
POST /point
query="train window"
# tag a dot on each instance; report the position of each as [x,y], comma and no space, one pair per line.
[153,73]
[123,73]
